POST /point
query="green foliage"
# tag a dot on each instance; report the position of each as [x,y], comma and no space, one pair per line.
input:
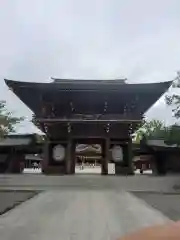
[153,127]
[138,136]
[7,121]
[172,135]
[174,99]
[34,120]
[39,138]
[148,129]
[156,130]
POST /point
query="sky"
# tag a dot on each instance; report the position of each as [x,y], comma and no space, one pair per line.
[98,39]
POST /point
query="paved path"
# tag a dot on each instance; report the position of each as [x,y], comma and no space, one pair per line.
[129,183]
[78,214]
[81,206]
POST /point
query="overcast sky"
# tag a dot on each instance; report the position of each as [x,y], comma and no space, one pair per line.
[106,39]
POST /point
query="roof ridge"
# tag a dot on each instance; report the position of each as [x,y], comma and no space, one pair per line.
[88,81]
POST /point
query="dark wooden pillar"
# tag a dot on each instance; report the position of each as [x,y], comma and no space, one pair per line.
[73,157]
[105,157]
[69,157]
[15,163]
[46,157]
[154,164]
[161,163]
[130,158]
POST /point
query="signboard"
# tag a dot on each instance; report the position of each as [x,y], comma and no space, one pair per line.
[58,153]
[111,168]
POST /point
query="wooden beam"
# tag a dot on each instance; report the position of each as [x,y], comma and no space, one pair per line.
[64,120]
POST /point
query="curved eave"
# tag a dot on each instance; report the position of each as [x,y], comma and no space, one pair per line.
[13,83]
[90,85]
[30,93]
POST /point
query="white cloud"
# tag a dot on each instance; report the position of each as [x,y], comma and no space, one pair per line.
[88,39]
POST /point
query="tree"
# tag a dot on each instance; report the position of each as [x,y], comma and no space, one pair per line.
[7,120]
[172,135]
[174,98]
[40,138]
[34,121]
[156,130]
[148,128]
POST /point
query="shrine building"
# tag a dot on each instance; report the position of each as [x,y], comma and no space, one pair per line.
[103,112]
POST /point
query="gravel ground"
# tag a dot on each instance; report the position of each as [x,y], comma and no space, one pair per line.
[10,199]
[168,204]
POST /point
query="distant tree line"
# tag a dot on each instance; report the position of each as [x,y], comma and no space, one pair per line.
[155,129]
[7,121]
[173,99]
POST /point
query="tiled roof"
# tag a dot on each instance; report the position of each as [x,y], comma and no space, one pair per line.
[15,141]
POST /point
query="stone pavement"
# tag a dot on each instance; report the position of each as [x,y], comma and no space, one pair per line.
[81,206]
[72,214]
[145,183]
